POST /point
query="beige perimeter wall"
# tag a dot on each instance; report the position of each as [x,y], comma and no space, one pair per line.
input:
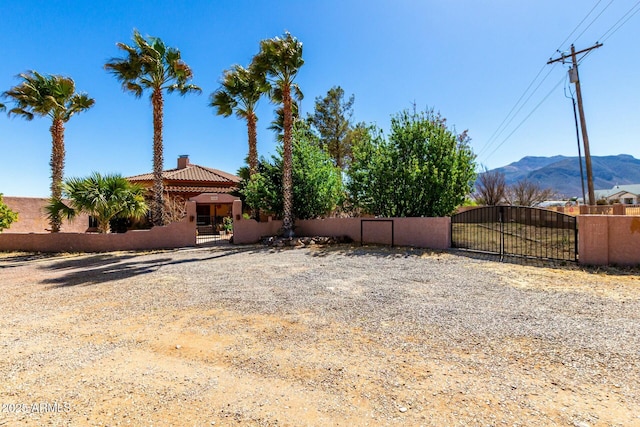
[609,240]
[433,233]
[175,235]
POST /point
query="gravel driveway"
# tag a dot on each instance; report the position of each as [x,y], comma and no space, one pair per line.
[315,336]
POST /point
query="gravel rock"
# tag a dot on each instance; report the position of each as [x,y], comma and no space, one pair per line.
[326,334]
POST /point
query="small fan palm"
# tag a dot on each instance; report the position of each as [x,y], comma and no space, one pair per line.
[150,65]
[55,97]
[279,60]
[104,197]
[239,92]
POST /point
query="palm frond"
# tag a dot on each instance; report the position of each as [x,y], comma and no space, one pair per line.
[56,208]
[223,103]
[280,58]
[47,95]
[106,197]
[150,64]
[21,112]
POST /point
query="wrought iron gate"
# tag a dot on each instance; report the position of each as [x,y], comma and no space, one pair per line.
[208,235]
[516,231]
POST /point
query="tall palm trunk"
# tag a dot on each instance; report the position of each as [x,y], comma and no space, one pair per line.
[157,213]
[253,143]
[253,154]
[57,168]
[287,178]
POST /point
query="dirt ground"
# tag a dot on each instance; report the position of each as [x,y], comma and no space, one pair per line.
[135,339]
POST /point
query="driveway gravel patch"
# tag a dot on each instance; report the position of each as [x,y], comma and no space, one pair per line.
[317,336]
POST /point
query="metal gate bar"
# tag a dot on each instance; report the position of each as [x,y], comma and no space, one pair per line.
[362,221]
[516,231]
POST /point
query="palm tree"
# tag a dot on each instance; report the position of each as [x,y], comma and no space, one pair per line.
[240,91]
[2,107]
[149,64]
[277,124]
[103,197]
[53,96]
[280,59]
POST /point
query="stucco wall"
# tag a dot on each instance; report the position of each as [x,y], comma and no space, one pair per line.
[433,233]
[175,235]
[607,239]
[32,217]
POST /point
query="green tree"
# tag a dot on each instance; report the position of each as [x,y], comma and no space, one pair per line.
[317,186]
[7,216]
[239,93]
[150,65]
[424,169]
[279,60]
[369,176]
[104,197]
[2,107]
[54,97]
[332,119]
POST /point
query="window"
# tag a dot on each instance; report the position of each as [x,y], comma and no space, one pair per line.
[93,222]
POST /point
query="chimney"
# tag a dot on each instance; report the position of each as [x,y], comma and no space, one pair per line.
[183,161]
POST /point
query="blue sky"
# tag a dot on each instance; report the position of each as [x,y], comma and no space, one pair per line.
[471,60]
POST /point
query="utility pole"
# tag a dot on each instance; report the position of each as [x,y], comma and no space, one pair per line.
[573,73]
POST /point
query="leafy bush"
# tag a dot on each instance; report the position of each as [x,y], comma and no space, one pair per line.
[317,187]
[423,169]
[7,216]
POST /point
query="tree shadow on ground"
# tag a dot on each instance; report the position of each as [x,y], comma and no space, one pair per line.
[89,261]
[107,271]
[102,268]
[356,250]
[515,260]
[553,264]
[9,260]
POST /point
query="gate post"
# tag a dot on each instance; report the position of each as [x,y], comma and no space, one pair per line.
[501,221]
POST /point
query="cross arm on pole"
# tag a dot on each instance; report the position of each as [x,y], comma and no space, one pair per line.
[563,56]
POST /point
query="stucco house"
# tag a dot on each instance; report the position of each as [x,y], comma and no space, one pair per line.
[625,194]
[209,188]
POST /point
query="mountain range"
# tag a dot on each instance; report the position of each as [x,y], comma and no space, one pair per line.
[562,173]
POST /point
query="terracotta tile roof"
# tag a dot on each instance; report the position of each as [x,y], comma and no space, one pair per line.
[192,173]
[197,189]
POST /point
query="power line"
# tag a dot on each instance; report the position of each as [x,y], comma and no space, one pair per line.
[604,37]
[527,117]
[594,20]
[578,26]
[509,118]
[511,111]
[496,133]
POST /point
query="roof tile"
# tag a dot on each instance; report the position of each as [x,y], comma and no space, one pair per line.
[192,173]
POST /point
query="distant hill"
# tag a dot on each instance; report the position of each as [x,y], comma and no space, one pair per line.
[562,173]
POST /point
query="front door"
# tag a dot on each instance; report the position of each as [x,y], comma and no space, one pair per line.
[204,214]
